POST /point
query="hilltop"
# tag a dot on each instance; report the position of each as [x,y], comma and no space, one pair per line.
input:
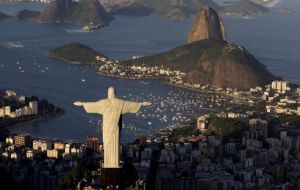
[75,53]
[207,25]
[85,13]
[208,59]
[214,63]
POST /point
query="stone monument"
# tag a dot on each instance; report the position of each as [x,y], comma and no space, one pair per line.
[112,110]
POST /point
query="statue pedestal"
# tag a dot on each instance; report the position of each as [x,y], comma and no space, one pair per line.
[111,176]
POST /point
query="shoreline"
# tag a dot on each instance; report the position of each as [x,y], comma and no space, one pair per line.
[70,62]
[164,80]
[34,120]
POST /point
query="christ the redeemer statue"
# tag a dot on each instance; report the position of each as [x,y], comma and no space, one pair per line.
[112,109]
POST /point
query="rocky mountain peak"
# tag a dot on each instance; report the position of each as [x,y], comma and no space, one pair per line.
[207,25]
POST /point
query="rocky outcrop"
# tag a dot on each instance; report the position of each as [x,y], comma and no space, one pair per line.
[83,13]
[207,25]
[209,60]
[55,12]
[214,63]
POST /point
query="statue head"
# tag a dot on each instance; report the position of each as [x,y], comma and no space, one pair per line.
[111,93]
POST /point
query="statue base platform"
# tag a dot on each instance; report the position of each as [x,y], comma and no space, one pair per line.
[111,176]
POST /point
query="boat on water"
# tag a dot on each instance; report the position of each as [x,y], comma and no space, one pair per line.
[83,80]
[15,44]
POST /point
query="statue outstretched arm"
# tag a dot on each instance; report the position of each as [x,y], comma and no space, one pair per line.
[133,107]
[93,107]
[78,104]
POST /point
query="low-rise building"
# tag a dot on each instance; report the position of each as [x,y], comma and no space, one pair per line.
[23,140]
[53,153]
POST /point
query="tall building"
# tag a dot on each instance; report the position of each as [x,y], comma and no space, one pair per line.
[281,86]
[5,111]
[23,140]
[93,143]
[258,128]
[34,106]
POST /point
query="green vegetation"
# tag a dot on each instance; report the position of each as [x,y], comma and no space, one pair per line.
[225,127]
[259,106]
[187,130]
[75,53]
[185,58]
[284,119]
[212,63]
[77,173]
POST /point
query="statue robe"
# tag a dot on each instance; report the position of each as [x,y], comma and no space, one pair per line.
[112,110]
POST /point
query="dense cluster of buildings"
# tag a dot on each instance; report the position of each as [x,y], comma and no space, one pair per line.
[114,69]
[12,98]
[257,159]
[282,99]
[42,164]
[264,155]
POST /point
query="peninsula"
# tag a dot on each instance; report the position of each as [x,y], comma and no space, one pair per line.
[77,53]
[207,60]
[18,109]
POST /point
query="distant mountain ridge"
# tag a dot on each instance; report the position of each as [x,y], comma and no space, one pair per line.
[180,9]
[244,8]
[168,9]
